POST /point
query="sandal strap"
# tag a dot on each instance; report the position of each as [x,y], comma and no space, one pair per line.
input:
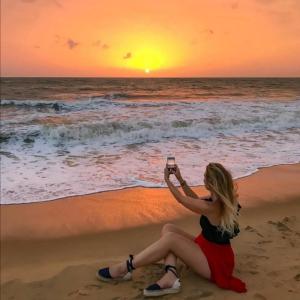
[171,269]
[129,264]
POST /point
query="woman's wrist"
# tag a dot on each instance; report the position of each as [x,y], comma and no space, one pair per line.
[182,181]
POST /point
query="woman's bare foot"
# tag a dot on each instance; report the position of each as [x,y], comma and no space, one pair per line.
[167,280]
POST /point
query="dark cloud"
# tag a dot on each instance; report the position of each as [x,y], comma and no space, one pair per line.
[266,1]
[128,55]
[57,38]
[281,11]
[105,46]
[64,41]
[207,31]
[55,2]
[37,46]
[235,5]
[98,43]
[72,44]
[194,42]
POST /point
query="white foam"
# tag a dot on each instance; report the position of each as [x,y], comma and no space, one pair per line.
[123,144]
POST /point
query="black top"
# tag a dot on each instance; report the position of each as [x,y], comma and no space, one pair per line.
[213,234]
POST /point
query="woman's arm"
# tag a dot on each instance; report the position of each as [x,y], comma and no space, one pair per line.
[194,204]
[187,190]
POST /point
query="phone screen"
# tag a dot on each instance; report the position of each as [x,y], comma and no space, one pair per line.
[171,164]
[171,161]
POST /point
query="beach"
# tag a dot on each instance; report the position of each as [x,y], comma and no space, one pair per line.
[52,249]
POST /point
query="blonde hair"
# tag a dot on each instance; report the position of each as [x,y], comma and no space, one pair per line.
[219,181]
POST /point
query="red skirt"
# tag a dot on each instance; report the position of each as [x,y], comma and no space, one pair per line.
[221,263]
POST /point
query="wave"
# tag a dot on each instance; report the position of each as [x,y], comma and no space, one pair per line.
[56,105]
[134,131]
[110,121]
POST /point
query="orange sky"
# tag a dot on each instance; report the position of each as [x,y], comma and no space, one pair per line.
[150,38]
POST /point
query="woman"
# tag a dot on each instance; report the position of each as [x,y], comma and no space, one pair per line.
[209,254]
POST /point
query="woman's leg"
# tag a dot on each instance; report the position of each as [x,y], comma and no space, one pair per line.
[187,250]
[118,270]
[173,228]
[168,278]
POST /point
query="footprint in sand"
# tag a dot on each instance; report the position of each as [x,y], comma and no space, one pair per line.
[257,256]
[93,286]
[265,242]
[198,295]
[259,297]
[258,249]
[81,292]
[140,285]
[73,292]
[297,277]
[292,243]
[290,219]
[273,273]
[295,267]
[280,226]
[253,272]
[251,229]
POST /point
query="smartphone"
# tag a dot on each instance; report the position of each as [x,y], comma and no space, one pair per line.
[171,164]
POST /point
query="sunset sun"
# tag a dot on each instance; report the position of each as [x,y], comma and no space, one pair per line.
[145,51]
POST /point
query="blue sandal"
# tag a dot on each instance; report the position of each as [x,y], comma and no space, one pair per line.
[104,274]
[154,290]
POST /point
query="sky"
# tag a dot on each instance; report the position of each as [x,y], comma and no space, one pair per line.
[141,38]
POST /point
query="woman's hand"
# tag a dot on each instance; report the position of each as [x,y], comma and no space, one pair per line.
[167,173]
[177,173]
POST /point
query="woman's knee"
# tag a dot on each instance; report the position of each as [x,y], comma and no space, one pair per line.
[171,237]
[167,228]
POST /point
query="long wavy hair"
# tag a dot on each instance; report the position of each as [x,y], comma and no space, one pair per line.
[219,181]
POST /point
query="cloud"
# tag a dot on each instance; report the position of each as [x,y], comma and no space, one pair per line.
[235,5]
[194,42]
[64,41]
[128,55]
[266,1]
[72,44]
[37,46]
[55,2]
[57,38]
[105,46]
[98,43]
[207,32]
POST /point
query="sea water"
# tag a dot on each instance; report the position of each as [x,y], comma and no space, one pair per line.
[73,136]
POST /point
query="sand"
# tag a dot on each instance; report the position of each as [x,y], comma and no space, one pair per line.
[52,250]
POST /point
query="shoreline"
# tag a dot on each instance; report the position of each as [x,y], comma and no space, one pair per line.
[145,187]
[97,212]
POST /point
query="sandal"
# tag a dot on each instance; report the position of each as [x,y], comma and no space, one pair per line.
[104,274]
[154,290]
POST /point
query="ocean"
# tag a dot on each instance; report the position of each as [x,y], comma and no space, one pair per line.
[74,136]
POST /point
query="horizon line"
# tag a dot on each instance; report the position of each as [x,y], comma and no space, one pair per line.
[162,77]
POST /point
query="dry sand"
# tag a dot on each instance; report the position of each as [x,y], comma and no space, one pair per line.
[52,250]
